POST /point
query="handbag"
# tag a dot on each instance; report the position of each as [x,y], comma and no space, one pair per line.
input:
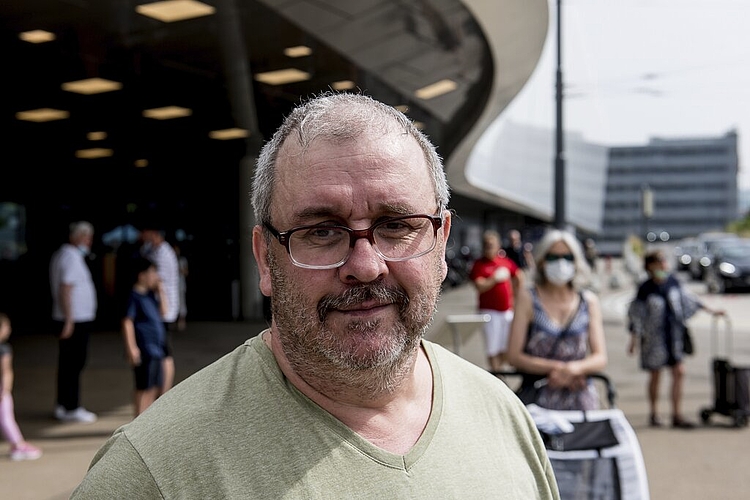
[687,342]
[687,338]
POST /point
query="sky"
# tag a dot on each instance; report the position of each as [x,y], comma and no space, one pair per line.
[636,69]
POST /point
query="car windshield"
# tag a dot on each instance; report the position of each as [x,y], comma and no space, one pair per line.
[736,251]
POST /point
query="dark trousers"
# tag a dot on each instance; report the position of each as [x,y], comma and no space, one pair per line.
[71,359]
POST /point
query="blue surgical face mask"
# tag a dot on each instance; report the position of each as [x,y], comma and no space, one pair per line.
[146,248]
[84,250]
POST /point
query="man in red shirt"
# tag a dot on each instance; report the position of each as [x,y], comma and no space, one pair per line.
[497,279]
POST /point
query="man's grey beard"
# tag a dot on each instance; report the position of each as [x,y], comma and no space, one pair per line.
[322,360]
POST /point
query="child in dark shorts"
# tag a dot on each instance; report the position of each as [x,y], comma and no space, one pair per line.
[144,333]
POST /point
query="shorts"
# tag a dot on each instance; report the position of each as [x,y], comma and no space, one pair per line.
[497,330]
[148,374]
[167,346]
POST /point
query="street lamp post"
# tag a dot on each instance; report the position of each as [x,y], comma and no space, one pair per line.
[559,146]
[647,207]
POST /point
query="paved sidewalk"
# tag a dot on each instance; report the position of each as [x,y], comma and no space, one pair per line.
[705,463]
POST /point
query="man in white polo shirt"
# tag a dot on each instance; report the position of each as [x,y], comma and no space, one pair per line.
[73,311]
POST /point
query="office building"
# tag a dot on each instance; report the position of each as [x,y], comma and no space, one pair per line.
[689,186]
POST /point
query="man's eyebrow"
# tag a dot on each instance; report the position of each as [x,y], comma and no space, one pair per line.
[398,209]
[330,212]
[314,213]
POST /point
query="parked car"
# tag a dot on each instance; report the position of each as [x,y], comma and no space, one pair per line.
[702,259]
[730,266]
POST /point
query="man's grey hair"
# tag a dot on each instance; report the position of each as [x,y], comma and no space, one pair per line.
[338,117]
[81,228]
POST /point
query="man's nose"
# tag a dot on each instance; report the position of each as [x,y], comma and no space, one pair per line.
[364,263]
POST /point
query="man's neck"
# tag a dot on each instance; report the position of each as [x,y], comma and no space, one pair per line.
[391,420]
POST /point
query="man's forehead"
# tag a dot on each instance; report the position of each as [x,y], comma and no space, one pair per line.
[325,163]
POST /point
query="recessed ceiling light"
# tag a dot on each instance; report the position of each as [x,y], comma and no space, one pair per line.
[298,51]
[228,133]
[343,85]
[36,36]
[141,162]
[436,89]
[42,115]
[418,125]
[92,153]
[167,112]
[402,107]
[96,136]
[282,76]
[170,11]
[91,86]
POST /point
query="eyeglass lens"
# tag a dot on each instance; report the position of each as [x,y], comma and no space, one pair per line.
[394,239]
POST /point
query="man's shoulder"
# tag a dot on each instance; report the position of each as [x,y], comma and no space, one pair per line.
[66,255]
[65,249]
[165,251]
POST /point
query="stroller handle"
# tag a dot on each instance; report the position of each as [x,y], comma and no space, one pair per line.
[610,388]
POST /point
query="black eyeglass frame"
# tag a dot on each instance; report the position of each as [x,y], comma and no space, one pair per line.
[284,237]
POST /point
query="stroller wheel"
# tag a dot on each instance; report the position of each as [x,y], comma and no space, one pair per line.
[705,416]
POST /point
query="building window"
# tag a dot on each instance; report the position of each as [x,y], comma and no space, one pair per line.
[12,231]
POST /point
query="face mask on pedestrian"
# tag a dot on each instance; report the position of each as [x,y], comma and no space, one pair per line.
[560,271]
[660,275]
[84,250]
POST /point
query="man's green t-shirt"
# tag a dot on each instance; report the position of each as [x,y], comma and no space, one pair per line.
[239,429]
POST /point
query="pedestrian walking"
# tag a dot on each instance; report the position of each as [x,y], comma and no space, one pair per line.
[557,331]
[497,280]
[143,332]
[74,306]
[657,323]
[20,449]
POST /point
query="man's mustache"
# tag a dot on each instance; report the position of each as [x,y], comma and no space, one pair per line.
[378,292]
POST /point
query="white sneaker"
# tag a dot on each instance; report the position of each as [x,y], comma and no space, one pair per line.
[80,414]
[60,412]
[25,452]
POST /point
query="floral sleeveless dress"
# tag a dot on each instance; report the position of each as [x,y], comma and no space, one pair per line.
[547,339]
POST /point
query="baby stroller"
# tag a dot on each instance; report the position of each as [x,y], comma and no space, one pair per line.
[731,383]
[595,454]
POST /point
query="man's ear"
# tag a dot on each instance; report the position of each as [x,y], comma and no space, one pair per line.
[446,226]
[260,251]
[446,231]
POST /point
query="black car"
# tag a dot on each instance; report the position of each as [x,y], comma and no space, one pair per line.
[707,244]
[729,267]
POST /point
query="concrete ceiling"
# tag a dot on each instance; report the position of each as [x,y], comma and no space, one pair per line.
[389,48]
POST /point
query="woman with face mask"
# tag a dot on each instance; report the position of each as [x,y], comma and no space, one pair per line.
[557,332]
[657,319]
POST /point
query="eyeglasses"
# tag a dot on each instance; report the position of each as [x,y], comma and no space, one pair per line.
[551,257]
[328,246]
